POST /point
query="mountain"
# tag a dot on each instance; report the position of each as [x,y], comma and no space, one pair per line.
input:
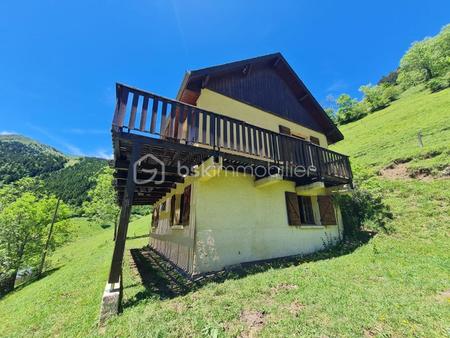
[21,156]
[68,177]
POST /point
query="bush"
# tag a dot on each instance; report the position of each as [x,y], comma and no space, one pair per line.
[391,93]
[438,84]
[363,210]
[349,109]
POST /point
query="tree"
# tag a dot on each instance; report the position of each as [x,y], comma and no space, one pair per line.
[331,114]
[390,79]
[23,231]
[102,206]
[426,59]
[349,109]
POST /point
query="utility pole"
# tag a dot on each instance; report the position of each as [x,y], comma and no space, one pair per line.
[44,253]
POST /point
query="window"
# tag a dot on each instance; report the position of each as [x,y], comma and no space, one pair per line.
[306,210]
[284,130]
[163,206]
[299,209]
[314,140]
[155,217]
[172,209]
[185,205]
[326,208]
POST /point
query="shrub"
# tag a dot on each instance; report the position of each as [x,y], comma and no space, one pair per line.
[363,210]
[438,84]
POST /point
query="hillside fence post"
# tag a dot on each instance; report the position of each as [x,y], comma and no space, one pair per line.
[47,243]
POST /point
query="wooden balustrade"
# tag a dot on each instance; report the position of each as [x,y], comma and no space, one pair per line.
[179,122]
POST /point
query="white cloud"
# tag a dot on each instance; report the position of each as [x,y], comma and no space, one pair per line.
[80,131]
[103,154]
[7,132]
[72,149]
[337,86]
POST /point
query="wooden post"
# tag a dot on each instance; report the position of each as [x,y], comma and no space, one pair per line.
[112,295]
[121,235]
[419,138]
[44,253]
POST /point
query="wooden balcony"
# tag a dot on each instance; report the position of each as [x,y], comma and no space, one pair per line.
[178,133]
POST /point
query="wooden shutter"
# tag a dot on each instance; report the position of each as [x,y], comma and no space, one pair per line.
[292,208]
[314,140]
[172,210]
[327,214]
[155,217]
[284,130]
[186,208]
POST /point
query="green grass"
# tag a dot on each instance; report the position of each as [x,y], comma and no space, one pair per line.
[67,301]
[393,286]
[390,135]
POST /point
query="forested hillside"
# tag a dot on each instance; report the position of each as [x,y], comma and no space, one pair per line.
[23,157]
[74,181]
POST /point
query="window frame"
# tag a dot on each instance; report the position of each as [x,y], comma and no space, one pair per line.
[307,217]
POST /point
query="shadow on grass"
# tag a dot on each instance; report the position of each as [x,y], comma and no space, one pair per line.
[33,279]
[163,280]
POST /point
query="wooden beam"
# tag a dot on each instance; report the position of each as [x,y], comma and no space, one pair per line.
[127,201]
[303,97]
[277,62]
[205,81]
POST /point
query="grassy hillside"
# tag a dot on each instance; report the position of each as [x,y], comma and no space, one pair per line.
[21,157]
[395,285]
[390,136]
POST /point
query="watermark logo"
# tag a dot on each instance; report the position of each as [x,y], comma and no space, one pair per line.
[158,168]
[153,166]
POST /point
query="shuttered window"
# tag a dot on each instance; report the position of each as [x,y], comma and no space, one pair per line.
[155,217]
[314,140]
[185,205]
[293,211]
[299,209]
[284,130]
[306,210]
[327,213]
[172,209]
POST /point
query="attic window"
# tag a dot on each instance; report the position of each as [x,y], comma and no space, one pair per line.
[314,140]
[284,130]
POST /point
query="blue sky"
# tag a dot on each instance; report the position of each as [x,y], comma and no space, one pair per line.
[59,60]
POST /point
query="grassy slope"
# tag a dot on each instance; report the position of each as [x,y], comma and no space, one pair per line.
[392,286]
[391,134]
[66,302]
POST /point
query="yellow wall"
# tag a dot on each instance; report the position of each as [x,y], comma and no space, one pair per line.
[237,222]
[210,100]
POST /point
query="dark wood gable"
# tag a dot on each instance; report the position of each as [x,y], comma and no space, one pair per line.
[264,88]
[266,82]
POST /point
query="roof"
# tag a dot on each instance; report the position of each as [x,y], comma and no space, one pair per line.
[195,80]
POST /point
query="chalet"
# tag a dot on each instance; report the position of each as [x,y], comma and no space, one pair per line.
[237,168]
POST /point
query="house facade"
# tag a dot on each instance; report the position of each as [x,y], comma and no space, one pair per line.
[237,169]
[219,216]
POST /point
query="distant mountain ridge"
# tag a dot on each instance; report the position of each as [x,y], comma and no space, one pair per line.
[66,176]
[21,156]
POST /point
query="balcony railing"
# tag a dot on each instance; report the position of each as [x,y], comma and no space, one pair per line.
[175,121]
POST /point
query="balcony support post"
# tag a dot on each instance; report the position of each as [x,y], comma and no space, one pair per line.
[112,296]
